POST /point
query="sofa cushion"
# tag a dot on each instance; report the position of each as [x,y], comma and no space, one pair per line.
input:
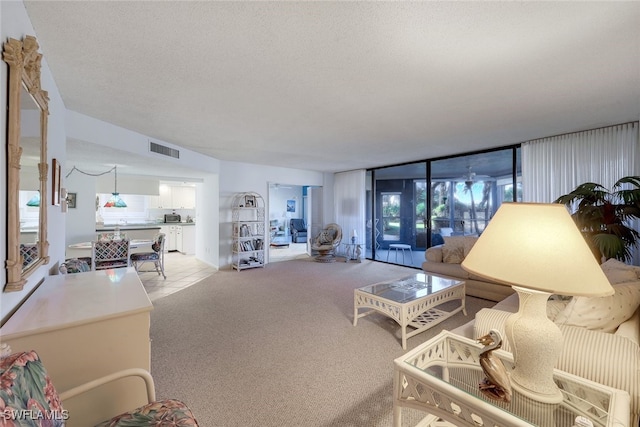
[602,313]
[445,269]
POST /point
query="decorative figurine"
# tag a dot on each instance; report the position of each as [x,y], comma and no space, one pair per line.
[496,385]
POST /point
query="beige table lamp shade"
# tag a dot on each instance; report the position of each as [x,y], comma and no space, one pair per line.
[537,246]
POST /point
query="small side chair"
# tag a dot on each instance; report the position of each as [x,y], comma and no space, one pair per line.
[298,230]
[156,256]
[326,243]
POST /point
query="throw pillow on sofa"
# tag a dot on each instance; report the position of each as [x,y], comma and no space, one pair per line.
[602,313]
[453,249]
[456,248]
[619,272]
[468,243]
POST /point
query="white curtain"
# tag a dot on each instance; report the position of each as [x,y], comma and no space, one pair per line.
[349,200]
[556,165]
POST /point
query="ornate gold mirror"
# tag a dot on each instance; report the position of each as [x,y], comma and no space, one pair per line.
[27,245]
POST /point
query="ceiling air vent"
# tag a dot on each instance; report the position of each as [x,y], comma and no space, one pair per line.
[165,151]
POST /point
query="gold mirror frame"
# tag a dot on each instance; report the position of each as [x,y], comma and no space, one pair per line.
[24,71]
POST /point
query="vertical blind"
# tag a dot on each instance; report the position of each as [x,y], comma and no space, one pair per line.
[349,203]
[556,165]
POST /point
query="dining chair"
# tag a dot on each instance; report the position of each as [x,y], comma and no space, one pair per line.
[156,256]
[110,254]
[110,235]
[29,253]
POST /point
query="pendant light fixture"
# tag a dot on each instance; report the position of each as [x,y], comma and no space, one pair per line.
[114,201]
[34,201]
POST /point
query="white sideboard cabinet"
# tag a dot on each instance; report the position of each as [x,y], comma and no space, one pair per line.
[84,326]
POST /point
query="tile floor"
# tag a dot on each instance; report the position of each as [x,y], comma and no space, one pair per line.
[185,270]
[182,271]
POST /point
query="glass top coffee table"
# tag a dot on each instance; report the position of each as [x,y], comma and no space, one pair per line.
[411,301]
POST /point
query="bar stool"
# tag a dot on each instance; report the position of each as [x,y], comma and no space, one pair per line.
[400,247]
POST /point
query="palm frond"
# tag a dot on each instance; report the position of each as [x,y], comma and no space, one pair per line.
[604,217]
[633,180]
[611,247]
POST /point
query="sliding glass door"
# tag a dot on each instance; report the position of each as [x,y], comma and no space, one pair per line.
[417,205]
[399,213]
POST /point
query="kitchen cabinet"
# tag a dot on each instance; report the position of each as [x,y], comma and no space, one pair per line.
[183,197]
[188,239]
[165,197]
[174,197]
[179,239]
[170,243]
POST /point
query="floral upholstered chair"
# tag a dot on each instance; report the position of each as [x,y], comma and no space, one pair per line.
[74,265]
[27,397]
[156,257]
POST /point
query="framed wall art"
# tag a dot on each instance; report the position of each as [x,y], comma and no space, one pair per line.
[71,200]
[249,201]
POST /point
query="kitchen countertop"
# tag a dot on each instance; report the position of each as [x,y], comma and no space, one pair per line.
[130,227]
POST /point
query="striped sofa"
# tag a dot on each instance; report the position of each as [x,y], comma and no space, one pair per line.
[607,355]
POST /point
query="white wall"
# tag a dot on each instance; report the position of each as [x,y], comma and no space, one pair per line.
[243,177]
[81,221]
[15,23]
[85,128]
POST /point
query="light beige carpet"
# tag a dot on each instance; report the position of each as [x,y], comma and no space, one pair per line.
[276,346]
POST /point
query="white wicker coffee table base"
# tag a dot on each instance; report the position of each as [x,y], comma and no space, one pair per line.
[419,313]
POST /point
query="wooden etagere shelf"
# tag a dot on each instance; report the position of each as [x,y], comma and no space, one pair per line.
[248,234]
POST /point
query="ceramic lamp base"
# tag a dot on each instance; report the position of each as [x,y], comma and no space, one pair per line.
[536,343]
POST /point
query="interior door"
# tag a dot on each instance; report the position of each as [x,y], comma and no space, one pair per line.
[314,214]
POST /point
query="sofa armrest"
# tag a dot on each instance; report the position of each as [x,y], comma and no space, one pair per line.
[433,254]
[630,329]
[602,357]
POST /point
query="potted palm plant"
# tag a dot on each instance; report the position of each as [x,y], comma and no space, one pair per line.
[604,217]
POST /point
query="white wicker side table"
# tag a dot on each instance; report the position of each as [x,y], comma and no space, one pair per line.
[441,377]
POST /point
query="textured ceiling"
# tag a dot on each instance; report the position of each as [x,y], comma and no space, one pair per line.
[333,86]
